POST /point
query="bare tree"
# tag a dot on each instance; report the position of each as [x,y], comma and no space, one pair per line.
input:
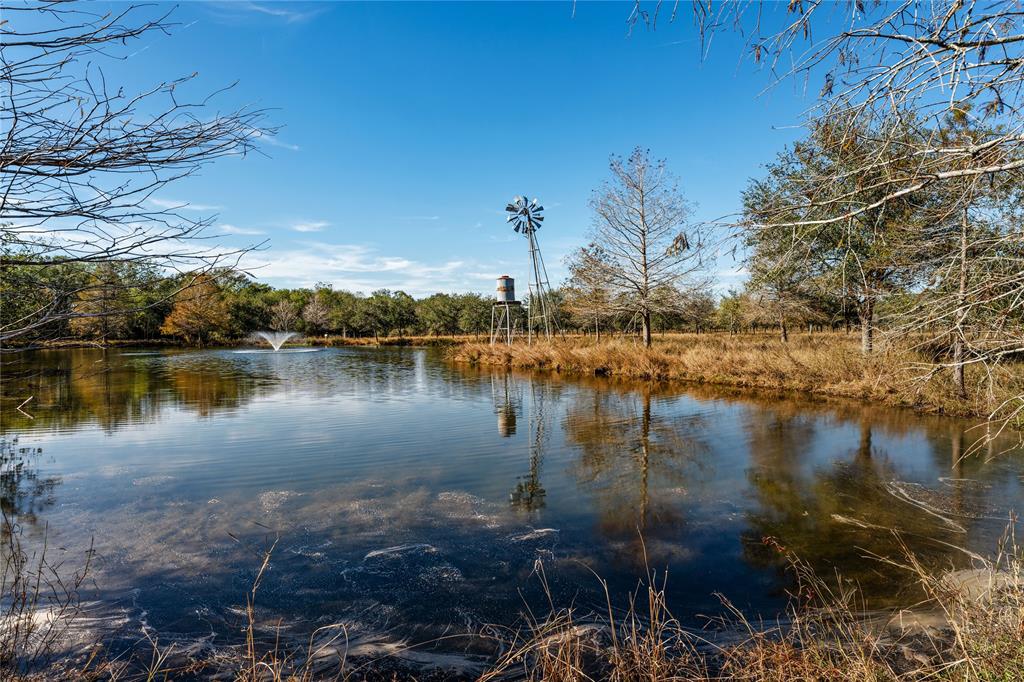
[283,315]
[317,313]
[82,160]
[640,233]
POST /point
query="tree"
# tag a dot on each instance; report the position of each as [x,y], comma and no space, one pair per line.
[344,314]
[730,312]
[283,315]
[101,307]
[81,160]
[640,233]
[403,312]
[587,295]
[475,313]
[439,314]
[317,313]
[200,313]
[699,310]
[862,257]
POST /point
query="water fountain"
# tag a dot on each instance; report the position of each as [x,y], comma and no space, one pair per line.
[276,339]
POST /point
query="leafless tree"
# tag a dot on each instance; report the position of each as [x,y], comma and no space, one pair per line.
[283,315]
[640,231]
[82,160]
[317,313]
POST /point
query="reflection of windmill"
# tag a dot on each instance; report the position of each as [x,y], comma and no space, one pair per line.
[526,217]
[529,494]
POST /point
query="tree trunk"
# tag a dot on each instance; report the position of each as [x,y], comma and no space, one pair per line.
[782,329]
[961,315]
[866,314]
[647,328]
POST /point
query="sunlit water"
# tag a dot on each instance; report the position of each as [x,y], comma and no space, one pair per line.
[412,498]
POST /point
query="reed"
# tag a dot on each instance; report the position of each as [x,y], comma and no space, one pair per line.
[823,363]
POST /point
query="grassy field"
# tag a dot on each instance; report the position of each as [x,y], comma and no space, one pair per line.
[823,363]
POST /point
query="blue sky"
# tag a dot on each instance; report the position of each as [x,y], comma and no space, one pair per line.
[407,127]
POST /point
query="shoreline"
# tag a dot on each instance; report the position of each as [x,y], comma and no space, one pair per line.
[821,364]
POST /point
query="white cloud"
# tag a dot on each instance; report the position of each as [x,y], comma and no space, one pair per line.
[272,140]
[277,10]
[420,217]
[176,205]
[357,267]
[289,13]
[310,226]
[232,229]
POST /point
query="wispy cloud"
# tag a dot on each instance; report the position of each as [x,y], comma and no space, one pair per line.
[357,267]
[272,140]
[176,205]
[310,226]
[290,13]
[234,229]
[420,217]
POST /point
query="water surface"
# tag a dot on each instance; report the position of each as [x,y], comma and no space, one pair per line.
[410,498]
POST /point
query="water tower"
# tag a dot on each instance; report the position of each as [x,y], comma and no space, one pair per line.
[501,311]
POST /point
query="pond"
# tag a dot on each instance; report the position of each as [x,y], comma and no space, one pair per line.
[414,499]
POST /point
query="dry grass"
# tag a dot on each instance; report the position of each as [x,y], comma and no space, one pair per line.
[974,631]
[824,363]
[977,616]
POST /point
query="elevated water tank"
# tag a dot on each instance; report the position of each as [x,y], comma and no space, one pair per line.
[506,289]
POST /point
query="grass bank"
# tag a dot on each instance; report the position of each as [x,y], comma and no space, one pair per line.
[824,363]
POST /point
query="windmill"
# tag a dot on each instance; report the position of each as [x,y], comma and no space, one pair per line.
[526,217]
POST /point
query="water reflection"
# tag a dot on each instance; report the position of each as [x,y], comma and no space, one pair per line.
[639,461]
[408,488]
[528,493]
[24,492]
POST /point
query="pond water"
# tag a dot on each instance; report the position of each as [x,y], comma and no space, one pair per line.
[411,498]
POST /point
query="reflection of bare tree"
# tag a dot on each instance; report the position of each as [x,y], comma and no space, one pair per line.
[840,515]
[23,492]
[636,461]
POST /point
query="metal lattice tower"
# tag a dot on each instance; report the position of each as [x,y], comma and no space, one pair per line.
[526,218]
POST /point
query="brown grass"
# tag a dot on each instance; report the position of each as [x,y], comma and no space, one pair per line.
[974,631]
[976,634]
[824,363]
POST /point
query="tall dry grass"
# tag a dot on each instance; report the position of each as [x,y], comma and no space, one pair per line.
[823,363]
[976,632]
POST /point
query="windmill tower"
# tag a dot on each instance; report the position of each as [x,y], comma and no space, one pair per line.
[526,217]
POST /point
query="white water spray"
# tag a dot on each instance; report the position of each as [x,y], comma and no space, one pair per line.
[276,339]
